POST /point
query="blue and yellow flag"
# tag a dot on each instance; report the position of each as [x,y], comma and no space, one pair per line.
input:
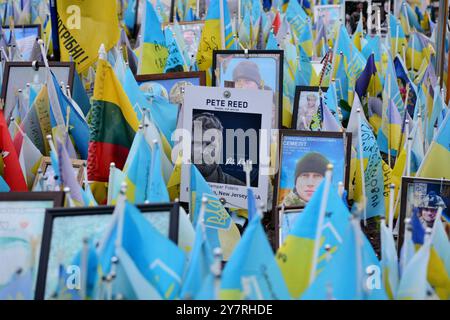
[389,134]
[220,228]
[398,38]
[153,51]
[252,272]
[357,257]
[295,255]
[137,169]
[438,152]
[157,258]
[212,38]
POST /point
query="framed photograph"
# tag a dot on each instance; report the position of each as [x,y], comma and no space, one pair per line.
[226,130]
[303,159]
[47,181]
[352,13]
[192,33]
[306,105]
[18,74]
[284,222]
[170,85]
[22,216]
[26,36]
[331,14]
[255,69]
[422,197]
[65,229]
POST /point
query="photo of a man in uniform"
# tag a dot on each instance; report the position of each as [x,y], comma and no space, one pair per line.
[209,168]
[427,208]
[309,172]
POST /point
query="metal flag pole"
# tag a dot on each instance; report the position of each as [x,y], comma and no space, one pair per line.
[222,24]
[320,222]
[361,162]
[441,34]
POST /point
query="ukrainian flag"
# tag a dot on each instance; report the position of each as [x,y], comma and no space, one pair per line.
[211,36]
[438,152]
[296,254]
[154,51]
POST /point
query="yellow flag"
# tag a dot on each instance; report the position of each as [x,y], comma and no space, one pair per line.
[83,26]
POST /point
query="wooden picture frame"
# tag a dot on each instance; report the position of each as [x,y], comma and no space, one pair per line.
[276,85]
[24,72]
[171,209]
[299,90]
[46,162]
[22,217]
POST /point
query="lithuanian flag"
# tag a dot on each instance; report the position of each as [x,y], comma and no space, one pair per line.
[113,126]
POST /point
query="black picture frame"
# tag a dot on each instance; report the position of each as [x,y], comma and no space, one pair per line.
[405,184]
[298,92]
[248,54]
[278,241]
[27,26]
[173,208]
[56,197]
[346,136]
[9,71]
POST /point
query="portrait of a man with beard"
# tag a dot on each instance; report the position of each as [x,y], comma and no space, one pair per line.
[206,162]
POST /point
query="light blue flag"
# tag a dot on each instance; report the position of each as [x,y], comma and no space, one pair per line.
[413,283]
[79,95]
[137,169]
[131,88]
[252,271]
[157,189]
[78,127]
[407,251]
[164,115]
[296,17]
[3,185]
[389,260]
[129,16]
[219,227]
[304,70]
[175,61]
[117,177]
[88,197]
[342,83]
[199,269]
[91,267]
[362,278]
[441,243]
[272,43]
[129,282]
[373,45]
[331,100]
[329,122]
[157,258]
[436,114]
[19,288]
[244,30]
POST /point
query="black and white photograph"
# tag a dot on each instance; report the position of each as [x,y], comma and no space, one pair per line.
[225,131]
